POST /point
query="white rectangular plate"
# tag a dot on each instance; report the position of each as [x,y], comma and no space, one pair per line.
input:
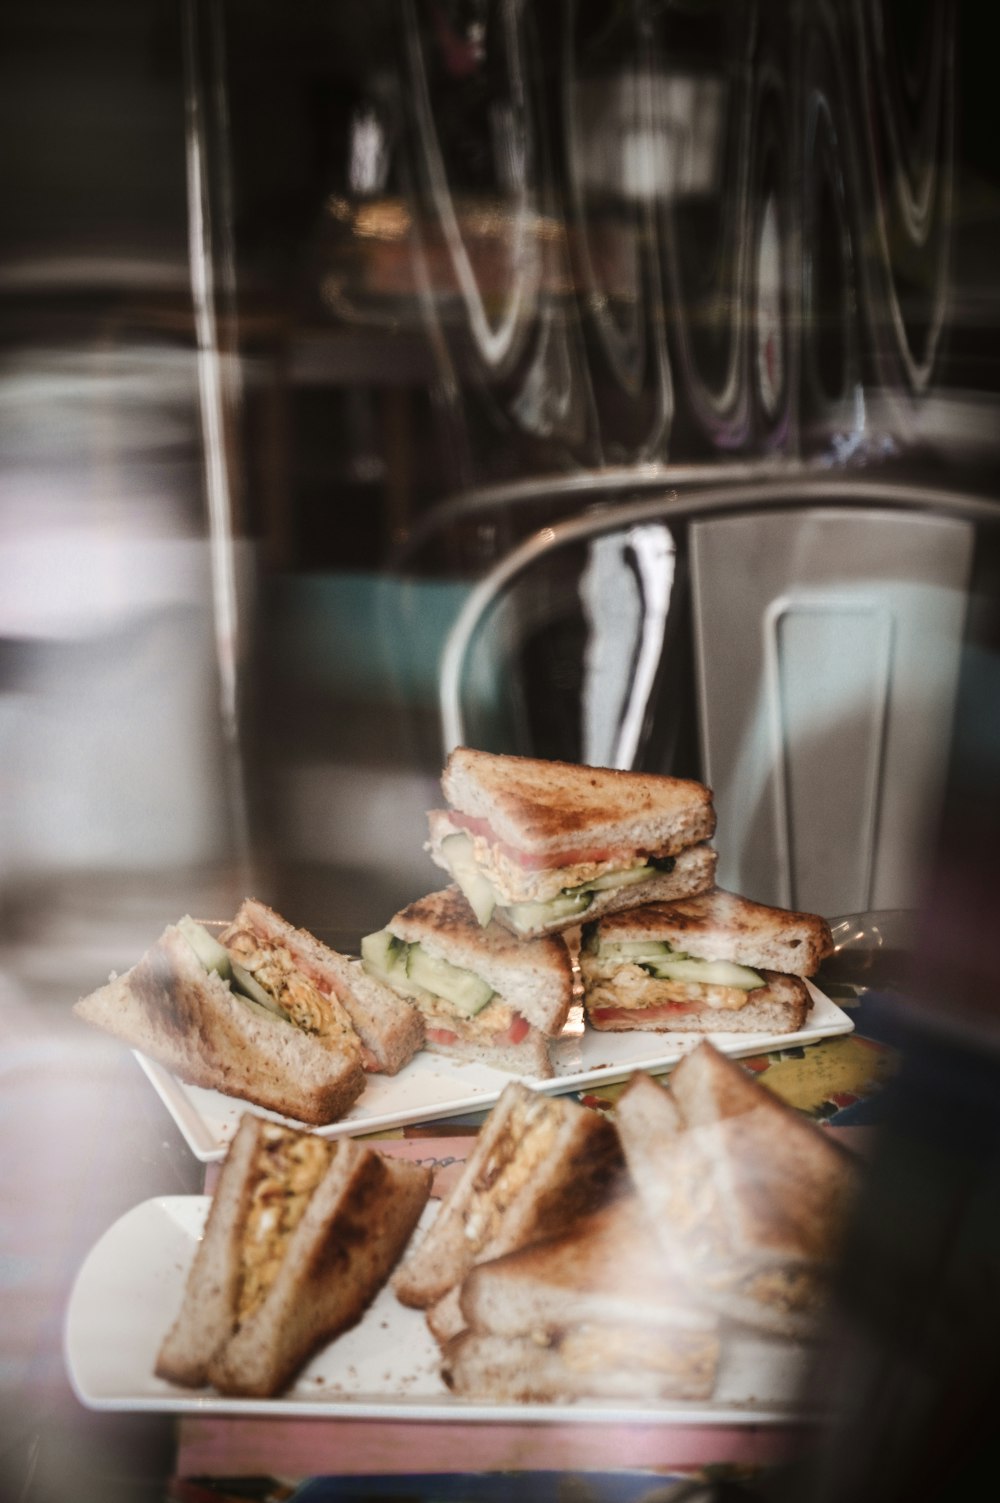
[130,1288]
[432,1087]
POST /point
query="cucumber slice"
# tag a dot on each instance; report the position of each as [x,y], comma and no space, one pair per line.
[636,950]
[466,992]
[213,956]
[458,851]
[619,879]
[705,972]
[568,904]
[244,981]
[384,955]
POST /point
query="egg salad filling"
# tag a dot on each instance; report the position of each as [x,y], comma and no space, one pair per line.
[287,1169]
[490,879]
[264,974]
[523,1146]
[639,973]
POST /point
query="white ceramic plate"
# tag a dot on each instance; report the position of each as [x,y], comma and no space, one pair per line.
[129,1290]
[431,1087]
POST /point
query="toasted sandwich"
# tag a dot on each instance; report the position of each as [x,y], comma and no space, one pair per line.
[278,956]
[538,1164]
[484,995]
[538,846]
[301,1235]
[277,1042]
[713,963]
[595,1312]
[747,1197]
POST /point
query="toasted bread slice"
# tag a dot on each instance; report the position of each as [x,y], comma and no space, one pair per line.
[543,808]
[539,1162]
[720,925]
[391,1030]
[535,979]
[517,1369]
[748,1200]
[605,1269]
[301,1235]
[595,1311]
[172,1009]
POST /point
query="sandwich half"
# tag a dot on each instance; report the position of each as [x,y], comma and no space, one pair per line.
[301,1235]
[538,1164]
[595,1312]
[539,846]
[713,963]
[484,995]
[244,1021]
[747,1198]
[389,1028]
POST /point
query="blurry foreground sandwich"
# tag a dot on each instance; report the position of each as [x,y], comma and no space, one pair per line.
[541,845]
[714,963]
[264,1012]
[539,1163]
[484,995]
[595,1312]
[747,1198]
[301,1235]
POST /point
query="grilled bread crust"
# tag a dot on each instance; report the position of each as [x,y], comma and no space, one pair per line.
[187,1019]
[607,1268]
[535,978]
[518,1370]
[542,807]
[357,1222]
[720,925]
[207,1315]
[390,1029]
[581,1159]
[748,1200]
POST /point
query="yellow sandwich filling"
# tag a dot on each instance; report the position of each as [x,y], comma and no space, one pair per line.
[272,966]
[525,1143]
[632,987]
[287,1169]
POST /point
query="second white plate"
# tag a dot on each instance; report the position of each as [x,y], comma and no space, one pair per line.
[130,1287]
[432,1087]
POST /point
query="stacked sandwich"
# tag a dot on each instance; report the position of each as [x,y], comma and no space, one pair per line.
[537,849]
[481,970]
[579,1257]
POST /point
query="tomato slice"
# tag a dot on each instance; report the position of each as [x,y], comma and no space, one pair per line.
[573,856]
[518,1030]
[441,1036]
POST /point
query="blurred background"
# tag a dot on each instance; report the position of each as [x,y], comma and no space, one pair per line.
[313,314]
[606,379]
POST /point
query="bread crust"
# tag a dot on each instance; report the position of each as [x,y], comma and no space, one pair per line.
[544,806]
[359,1217]
[568,1169]
[721,925]
[748,1199]
[168,1007]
